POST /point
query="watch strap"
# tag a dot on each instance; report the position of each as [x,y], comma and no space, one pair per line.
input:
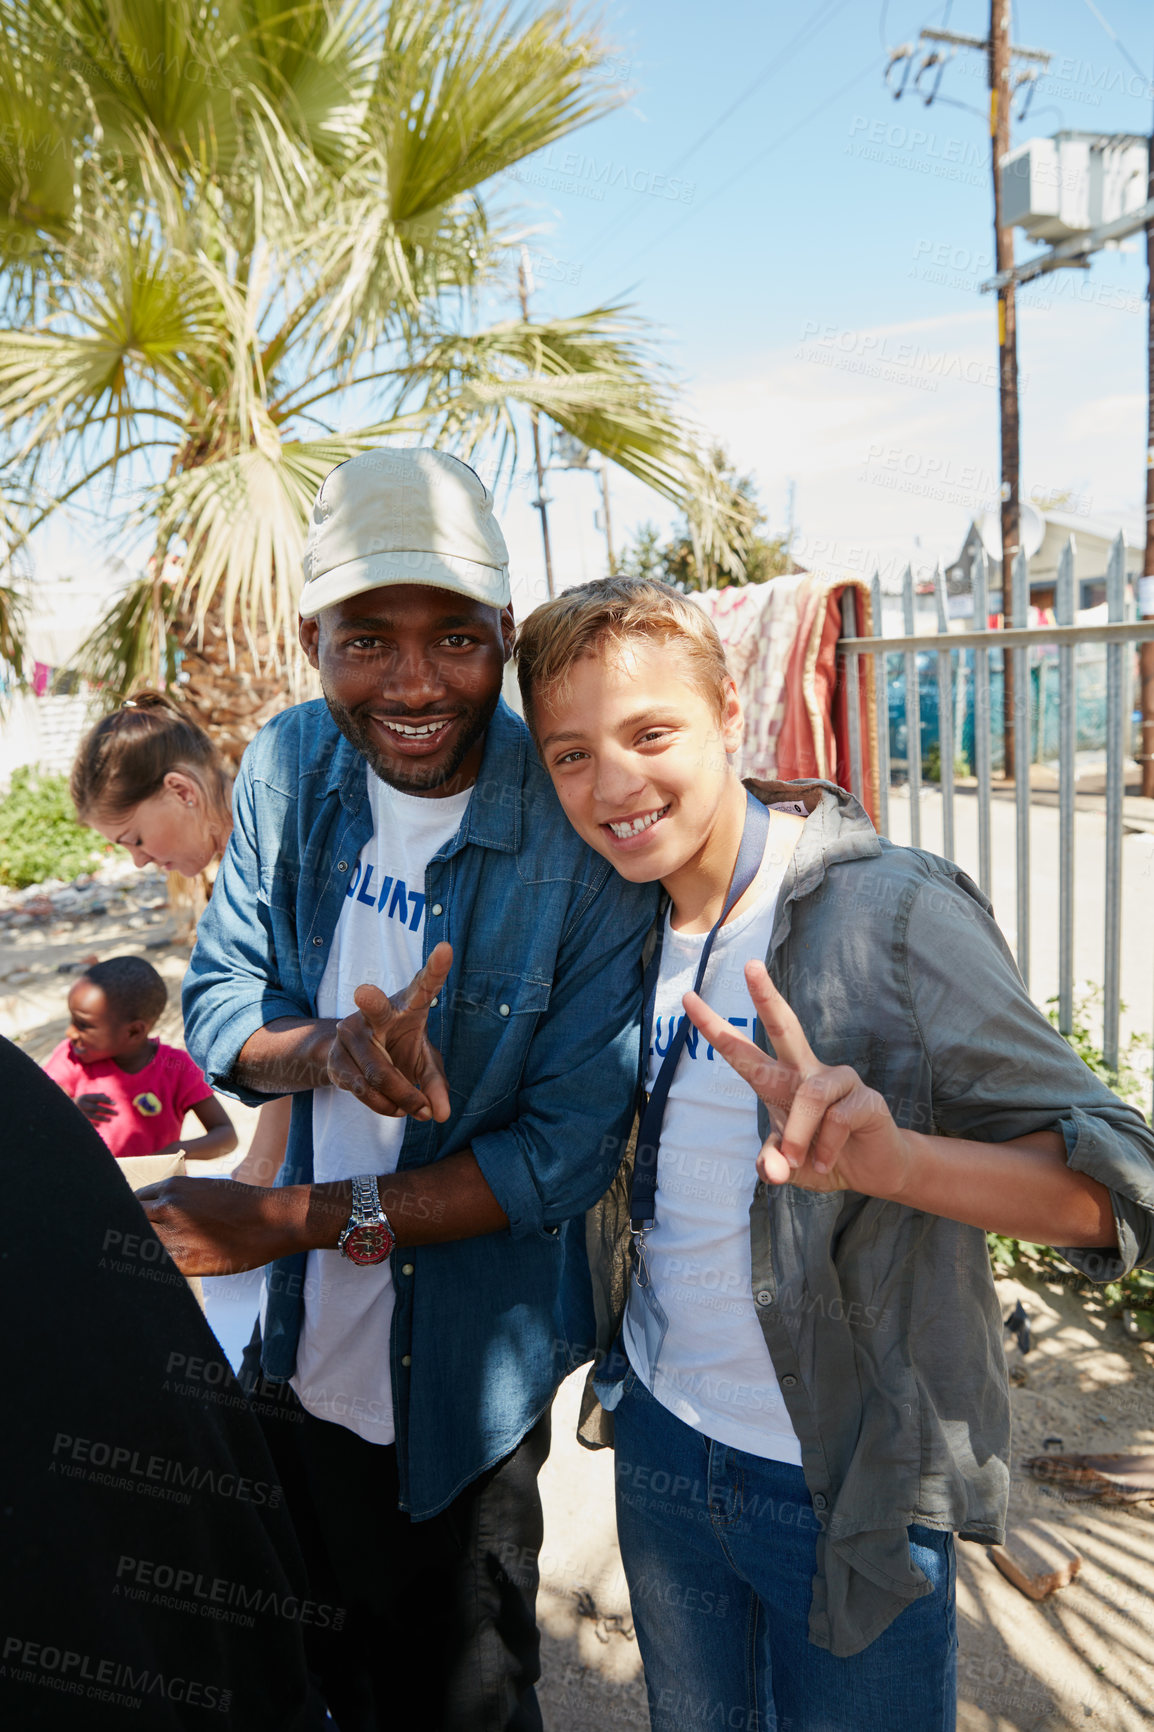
[367,1209]
[366,1212]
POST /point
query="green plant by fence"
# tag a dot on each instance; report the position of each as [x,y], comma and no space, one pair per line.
[1131,1082]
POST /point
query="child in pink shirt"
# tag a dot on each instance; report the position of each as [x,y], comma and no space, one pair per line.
[134,1089]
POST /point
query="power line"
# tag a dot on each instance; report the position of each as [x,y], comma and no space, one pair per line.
[803,38]
[884,39]
[1118,42]
[783,138]
[815,25]
[952,102]
[775,144]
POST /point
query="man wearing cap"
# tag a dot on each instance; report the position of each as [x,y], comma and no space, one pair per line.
[407,936]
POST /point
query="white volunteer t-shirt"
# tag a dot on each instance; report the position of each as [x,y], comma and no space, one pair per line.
[714,1371]
[342,1370]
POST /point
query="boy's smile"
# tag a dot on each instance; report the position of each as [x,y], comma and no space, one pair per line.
[626,830]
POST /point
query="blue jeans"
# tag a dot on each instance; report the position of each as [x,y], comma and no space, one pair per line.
[719,1554]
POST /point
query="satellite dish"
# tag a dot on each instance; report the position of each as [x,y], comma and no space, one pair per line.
[1031,527]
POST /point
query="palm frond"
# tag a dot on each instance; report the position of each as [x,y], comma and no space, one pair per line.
[464,93]
[241,519]
[591,374]
[13,598]
[217,214]
[13,631]
[315,65]
[132,644]
[134,338]
[161,72]
[37,165]
[722,518]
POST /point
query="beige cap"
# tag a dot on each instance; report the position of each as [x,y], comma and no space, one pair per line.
[397,516]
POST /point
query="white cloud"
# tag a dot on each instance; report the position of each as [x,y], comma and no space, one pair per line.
[890,432]
[893,433]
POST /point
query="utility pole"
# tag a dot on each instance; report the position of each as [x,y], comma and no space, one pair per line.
[1000,54]
[1000,95]
[1146,585]
[1078,250]
[541,502]
[605,510]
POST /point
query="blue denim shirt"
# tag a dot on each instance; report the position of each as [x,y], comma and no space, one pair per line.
[538,1027]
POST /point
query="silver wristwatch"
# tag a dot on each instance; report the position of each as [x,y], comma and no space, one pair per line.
[368,1237]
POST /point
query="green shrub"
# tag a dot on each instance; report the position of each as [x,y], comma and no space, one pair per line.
[1132,1084]
[932,763]
[39,835]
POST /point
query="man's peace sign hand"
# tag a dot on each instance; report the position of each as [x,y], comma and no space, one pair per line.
[382,1052]
[830,1132]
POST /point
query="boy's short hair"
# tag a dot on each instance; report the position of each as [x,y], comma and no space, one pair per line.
[609,612]
[132,988]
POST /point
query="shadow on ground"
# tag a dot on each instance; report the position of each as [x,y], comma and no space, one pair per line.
[1084,1658]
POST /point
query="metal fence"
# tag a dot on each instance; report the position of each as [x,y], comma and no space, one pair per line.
[1017,640]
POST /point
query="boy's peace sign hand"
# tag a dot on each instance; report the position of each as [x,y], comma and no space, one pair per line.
[830,1132]
[382,1052]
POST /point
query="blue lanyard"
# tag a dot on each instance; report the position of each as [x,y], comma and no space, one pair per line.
[643,1196]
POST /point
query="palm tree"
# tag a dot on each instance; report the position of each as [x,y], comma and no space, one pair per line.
[13,602]
[241,240]
[720,541]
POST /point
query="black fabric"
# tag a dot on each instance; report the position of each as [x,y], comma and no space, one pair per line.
[438,1623]
[149,1575]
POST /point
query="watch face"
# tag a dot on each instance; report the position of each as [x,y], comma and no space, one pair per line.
[370,1244]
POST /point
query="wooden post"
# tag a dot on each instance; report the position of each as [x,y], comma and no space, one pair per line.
[1000,95]
[605,509]
[1146,586]
[540,503]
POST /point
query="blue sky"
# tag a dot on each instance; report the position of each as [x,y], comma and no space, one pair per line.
[813,266]
[809,252]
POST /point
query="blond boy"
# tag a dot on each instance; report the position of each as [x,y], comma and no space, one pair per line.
[813,1399]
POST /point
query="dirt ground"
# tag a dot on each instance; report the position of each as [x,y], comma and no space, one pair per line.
[1084,1657]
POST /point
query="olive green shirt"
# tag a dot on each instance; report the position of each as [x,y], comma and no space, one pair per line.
[882,1321]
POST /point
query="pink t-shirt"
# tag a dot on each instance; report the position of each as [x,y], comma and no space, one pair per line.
[150,1103]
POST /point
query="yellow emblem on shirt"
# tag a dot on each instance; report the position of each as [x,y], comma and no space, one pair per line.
[148,1105]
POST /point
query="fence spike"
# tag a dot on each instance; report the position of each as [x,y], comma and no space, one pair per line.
[981,657]
[1064,591]
[1020,591]
[913,715]
[981,588]
[1067,744]
[881,706]
[941,598]
[945,715]
[1020,660]
[1116,708]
